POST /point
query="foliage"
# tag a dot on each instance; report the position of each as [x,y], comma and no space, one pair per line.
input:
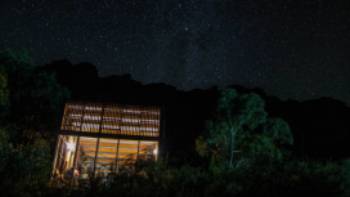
[16,57]
[5,149]
[25,167]
[3,90]
[30,100]
[34,97]
[278,131]
[346,177]
[245,148]
[242,129]
[250,178]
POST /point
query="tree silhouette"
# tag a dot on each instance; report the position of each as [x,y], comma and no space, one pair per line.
[242,129]
[33,96]
[3,89]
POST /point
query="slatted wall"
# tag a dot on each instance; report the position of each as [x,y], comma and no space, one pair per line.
[112,119]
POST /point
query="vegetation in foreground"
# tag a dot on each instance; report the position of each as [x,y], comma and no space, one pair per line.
[243,151]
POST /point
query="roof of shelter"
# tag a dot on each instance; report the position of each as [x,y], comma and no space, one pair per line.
[112,119]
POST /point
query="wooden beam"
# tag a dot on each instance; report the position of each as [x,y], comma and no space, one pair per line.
[112,136]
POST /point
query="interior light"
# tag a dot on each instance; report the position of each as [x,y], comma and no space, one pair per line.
[155,151]
[70,146]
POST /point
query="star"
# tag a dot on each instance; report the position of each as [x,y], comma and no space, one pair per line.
[279,47]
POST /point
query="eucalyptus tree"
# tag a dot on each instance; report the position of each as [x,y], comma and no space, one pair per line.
[242,129]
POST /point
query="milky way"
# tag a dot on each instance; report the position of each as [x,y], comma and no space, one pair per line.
[292,49]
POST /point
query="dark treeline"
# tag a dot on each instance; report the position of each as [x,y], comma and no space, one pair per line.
[230,142]
[320,127]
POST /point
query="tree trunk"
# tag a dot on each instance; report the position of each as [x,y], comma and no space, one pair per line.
[232,149]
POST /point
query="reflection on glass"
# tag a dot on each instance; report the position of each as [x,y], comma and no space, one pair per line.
[127,154]
[106,156]
[87,157]
[64,166]
[148,150]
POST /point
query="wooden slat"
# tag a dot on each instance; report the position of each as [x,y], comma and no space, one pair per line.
[117,119]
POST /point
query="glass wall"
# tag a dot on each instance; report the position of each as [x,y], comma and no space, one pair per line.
[86,157]
[106,157]
[65,156]
[127,155]
[148,150]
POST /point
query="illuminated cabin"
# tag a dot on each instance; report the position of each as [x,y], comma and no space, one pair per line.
[99,139]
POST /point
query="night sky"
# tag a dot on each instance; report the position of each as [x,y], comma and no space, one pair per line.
[291,49]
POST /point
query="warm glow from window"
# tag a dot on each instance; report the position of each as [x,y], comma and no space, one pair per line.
[98,139]
[100,156]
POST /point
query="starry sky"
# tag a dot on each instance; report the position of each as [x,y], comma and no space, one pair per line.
[290,48]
